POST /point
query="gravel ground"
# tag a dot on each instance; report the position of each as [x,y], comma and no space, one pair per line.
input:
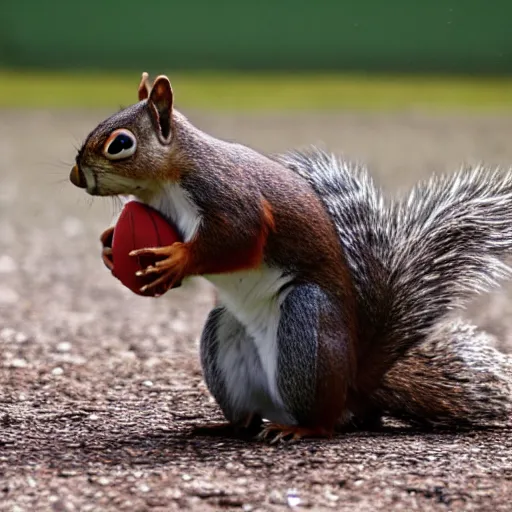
[99,388]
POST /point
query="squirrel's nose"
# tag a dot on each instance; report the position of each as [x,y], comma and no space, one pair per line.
[77,177]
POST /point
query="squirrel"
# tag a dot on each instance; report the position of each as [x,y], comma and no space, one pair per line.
[333,302]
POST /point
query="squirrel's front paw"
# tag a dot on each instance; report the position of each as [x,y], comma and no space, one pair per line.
[106,251]
[173,267]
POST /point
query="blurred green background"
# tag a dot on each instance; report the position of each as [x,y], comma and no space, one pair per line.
[237,54]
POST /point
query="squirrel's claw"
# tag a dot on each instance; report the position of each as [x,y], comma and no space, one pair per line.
[156,251]
[106,237]
[152,269]
[106,251]
[148,270]
[167,278]
[172,269]
[274,432]
[106,256]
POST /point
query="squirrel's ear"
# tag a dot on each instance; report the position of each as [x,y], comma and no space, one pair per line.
[160,102]
[144,87]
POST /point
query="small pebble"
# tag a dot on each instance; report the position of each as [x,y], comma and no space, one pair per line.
[20,337]
[57,371]
[7,334]
[67,472]
[7,264]
[64,346]
[18,363]
[94,417]
[68,358]
[292,498]
[186,477]
[144,488]
[276,498]
[331,497]
[103,480]
[147,383]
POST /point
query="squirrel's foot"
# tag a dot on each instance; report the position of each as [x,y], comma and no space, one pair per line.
[245,429]
[106,252]
[274,432]
[172,268]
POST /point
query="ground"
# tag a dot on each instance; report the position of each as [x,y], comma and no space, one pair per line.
[100,389]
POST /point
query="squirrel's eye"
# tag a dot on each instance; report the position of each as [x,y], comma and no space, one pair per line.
[120,144]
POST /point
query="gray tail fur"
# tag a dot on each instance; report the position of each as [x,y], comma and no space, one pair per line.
[455,377]
[413,260]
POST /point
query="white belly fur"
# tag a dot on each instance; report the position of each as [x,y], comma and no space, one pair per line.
[253,299]
[174,203]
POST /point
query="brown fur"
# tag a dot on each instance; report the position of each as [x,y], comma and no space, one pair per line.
[334,374]
[300,227]
[454,377]
[247,256]
[255,210]
[195,257]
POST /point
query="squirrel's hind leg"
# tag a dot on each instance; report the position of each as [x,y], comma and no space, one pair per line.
[315,362]
[312,366]
[234,375]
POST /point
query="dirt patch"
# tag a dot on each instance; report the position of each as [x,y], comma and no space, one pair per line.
[100,389]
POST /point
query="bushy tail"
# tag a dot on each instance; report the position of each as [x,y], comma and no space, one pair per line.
[453,378]
[413,261]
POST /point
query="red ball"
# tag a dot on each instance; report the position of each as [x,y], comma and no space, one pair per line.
[139,226]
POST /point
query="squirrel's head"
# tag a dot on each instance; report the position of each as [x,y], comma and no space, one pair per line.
[129,153]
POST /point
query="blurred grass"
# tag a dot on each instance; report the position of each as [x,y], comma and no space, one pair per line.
[259,91]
